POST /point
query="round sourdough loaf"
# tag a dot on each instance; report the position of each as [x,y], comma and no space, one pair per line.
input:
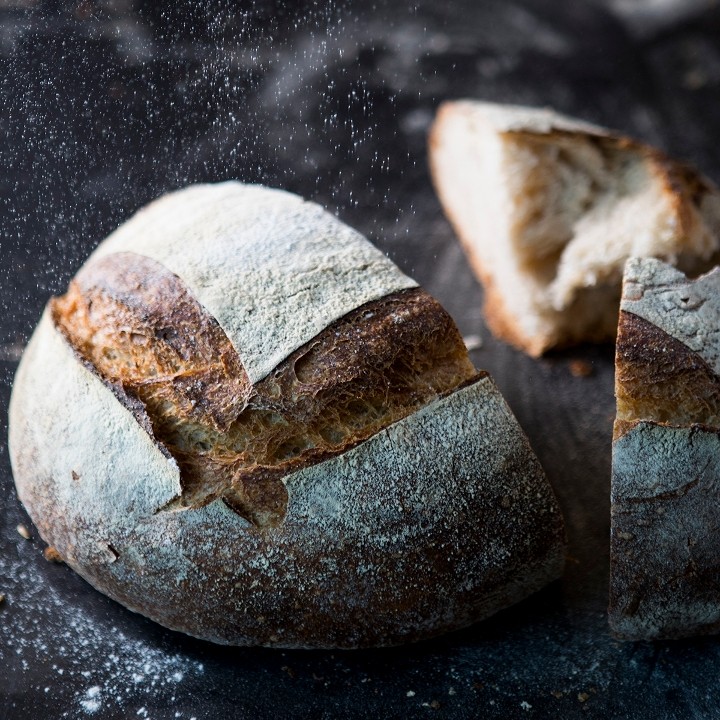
[244,422]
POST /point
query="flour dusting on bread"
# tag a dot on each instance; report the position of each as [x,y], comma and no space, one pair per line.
[666,449]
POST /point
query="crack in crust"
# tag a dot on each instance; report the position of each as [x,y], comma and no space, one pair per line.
[138,327]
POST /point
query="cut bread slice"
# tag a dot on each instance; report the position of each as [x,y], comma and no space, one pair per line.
[665,548]
[548,210]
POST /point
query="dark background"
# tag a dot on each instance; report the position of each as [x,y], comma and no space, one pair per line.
[105,105]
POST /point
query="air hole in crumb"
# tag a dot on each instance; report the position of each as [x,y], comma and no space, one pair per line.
[165,334]
[359,409]
[305,366]
[332,435]
[293,447]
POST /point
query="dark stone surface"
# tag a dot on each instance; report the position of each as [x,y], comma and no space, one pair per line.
[105,105]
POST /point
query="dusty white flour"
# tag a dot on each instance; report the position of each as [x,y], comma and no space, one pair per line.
[108,673]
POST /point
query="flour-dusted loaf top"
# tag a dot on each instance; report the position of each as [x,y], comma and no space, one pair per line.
[368,487]
[665,551]
[549,208]
[294,260]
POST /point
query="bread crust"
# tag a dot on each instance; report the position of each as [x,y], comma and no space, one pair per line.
[139,327]
[658,378]
[437,518]
[664,548]
[395,540]
[256,259]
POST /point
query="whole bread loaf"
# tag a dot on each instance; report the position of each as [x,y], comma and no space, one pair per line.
[548,210]
[665,546]
[243,421]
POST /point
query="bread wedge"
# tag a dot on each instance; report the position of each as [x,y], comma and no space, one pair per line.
[549,208]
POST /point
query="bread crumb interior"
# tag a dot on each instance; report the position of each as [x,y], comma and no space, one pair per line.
[549,219]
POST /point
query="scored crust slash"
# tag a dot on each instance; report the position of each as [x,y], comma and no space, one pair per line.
[243,421]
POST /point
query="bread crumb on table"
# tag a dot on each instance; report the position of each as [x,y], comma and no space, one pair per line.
[52,555]
[580,368]
[435,705]
[472,342]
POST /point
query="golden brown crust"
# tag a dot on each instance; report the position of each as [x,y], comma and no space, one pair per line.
[135,322]
[502,323]
[659,379]
[664,549]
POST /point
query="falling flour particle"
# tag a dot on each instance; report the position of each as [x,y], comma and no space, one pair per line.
[11,352]
[91,702]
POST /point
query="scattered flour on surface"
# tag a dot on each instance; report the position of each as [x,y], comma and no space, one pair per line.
[106,669]
[91,703]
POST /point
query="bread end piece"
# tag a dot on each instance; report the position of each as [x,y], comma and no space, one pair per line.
[664,548]
[548,209]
